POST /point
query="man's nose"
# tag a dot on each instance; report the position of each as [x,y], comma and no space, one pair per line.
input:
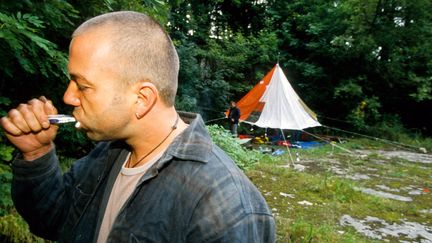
[71,95]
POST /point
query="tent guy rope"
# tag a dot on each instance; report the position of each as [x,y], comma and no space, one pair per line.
[396,144]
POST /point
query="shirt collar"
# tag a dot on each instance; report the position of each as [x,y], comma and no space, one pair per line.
[194,143]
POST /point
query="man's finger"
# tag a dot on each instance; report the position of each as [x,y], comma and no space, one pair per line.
[43,99]
[49,108]
[32,122]
[16,117]
[42,107]
[9,127]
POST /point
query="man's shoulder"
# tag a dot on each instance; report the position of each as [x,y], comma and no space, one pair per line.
[226,196]
[220,179]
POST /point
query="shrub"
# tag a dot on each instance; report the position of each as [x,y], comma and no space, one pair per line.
[244,159]
[14,229]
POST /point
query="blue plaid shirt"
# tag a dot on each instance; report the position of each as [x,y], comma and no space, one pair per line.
[194,193]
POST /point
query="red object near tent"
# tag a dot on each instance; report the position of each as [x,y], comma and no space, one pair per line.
[283,143]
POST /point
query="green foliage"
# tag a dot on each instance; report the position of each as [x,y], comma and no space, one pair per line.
[69,137]
[213,75]
[6,151]
[4,101]
[33,47]
[245,159]
[219,63]
[66,163]
[14,229]
[6,204]
[155,8]
[349,89]
[20,32]
[365,113]
[424,87]
[189,76]
[366,49]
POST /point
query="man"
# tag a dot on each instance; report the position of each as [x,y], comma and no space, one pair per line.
[234,116]
[153,177]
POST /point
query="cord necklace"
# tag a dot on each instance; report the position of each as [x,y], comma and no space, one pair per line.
[174,127]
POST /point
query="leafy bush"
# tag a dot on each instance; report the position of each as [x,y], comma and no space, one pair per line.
[14,229]
[245,159]
[71,142]
[5,199]
[5,150]
[366,112]
[391,131]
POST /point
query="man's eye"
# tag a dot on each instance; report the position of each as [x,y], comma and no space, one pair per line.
[81,88]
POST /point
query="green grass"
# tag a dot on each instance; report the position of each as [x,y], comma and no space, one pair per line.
[334,195]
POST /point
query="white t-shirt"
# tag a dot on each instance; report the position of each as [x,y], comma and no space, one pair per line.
[123,187]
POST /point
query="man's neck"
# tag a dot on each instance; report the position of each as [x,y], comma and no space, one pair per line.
[154,137]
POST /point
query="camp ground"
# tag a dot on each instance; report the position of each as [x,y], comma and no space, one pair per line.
[335,96]
[273,104]
[342,192]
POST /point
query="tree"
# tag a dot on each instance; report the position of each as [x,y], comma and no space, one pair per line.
[219,59]
[28,57]
[372,56]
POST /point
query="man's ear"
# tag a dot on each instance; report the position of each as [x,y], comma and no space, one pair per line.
[147,96]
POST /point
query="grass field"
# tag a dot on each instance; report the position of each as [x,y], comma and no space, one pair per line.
[363,193]
[358,191]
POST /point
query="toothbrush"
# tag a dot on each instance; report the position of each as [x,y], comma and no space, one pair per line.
[61,119]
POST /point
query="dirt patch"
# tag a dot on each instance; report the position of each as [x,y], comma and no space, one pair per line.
[391,175]
[385,195]
[379,229]
[399,181]
[410,156]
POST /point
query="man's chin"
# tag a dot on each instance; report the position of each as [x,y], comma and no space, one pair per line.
[92,135]
[97,137]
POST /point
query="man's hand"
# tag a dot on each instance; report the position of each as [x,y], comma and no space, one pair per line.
[27,127]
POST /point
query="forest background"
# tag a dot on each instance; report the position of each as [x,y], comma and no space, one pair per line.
[365,66]
[357,64]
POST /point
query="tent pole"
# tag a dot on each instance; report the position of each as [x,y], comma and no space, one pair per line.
[287,147]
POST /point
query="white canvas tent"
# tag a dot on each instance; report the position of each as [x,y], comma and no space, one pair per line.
[273,103]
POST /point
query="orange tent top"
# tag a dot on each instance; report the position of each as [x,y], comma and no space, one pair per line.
[250,103]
